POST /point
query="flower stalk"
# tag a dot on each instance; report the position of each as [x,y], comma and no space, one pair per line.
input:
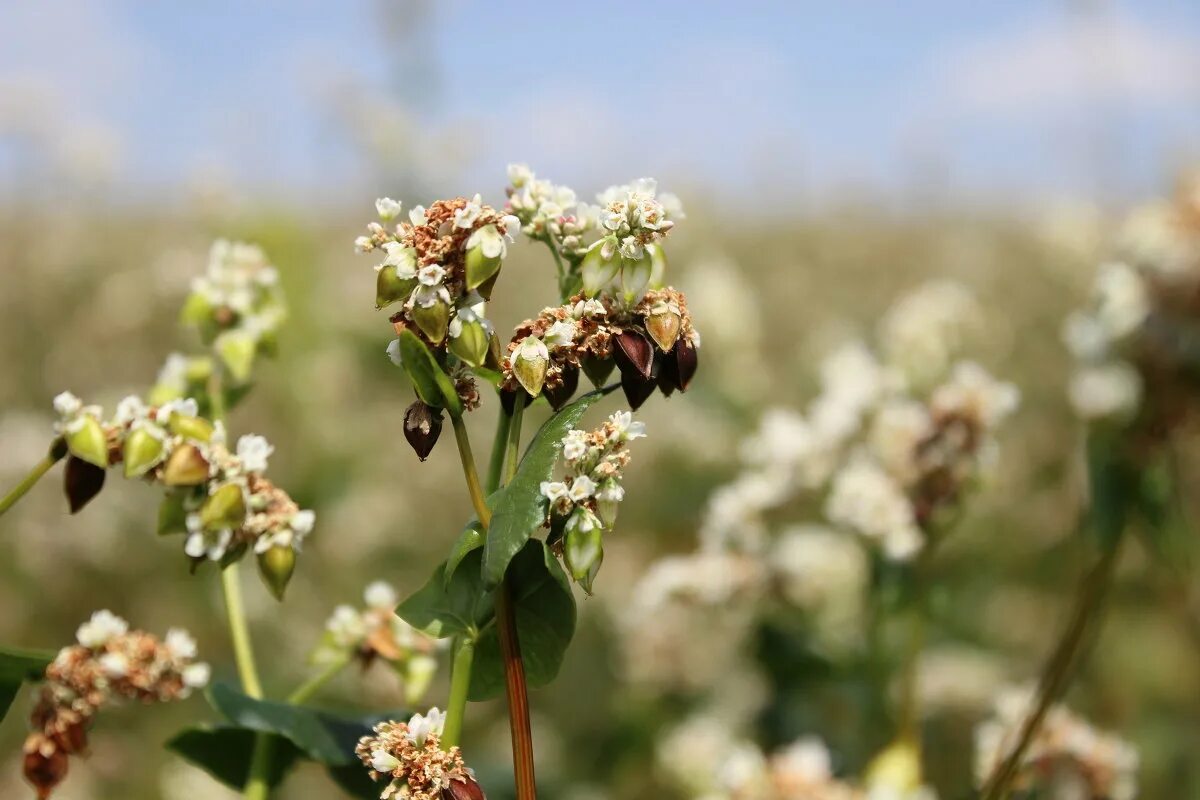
[57,451]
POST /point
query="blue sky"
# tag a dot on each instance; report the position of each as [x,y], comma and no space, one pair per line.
[315,101]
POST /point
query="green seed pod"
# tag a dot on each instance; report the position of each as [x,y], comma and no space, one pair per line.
[390,287]
[663,324]
[142,451]
[658,265]
[276,566]
[224,508]
[433,320]
[197,428]
[237,350]
[172,514]
[635,277]
[186,466]
[86,440]
[598,271]
[583,552]
[529,363]
[480,267]
[471,341]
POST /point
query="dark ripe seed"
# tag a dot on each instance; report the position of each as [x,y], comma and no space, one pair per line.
[685,363]
[637,389]
[564,391]
[73,739]
[464,789]
[667,373]
[508,399]
[634,352]
[81,482]
[45,772]
[597,369]
[422,427]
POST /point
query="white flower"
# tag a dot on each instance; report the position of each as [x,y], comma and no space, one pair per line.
[417,215]
[253,452]
[466,216]
[196,676]
[421,725]
[610,492]
[402,257]
[553,490]
[363,244]
[1122,302]
[975,394]
[302,522]
[582,519]
[581,489]
[426,296]
[202,543]
[346,626]
[574,445]
[180,644]
[899,428]
[632,248]
[384,762]
[381,595]
[67,404]
[624,428]
[866,499]
[431,275]
[519,175]
[588,308]
[532,348]
[1106,391]
[490,242]
[100,629]
[387,208]
[130,409]
[114,665]
[561,334]
[393,352]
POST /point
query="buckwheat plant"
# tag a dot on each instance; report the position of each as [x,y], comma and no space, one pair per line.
[834,521]
[218,501]
[1137,354]
[502,595]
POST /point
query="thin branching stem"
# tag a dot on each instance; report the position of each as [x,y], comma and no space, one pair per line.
[460,684]
[474,488]
[56,453]
[305,691]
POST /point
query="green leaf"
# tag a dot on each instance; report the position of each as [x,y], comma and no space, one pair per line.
[519,508]
[433,385]
[449,607]
[321,736]
[1114,485]
[545,612]
[471,538]
[224,752]
[18,666]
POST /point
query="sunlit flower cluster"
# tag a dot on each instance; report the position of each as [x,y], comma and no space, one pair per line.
[218,497]
[549,212]
[583,505]
[409,756]
[1068,757]
[376,633]
[109,663]
[1134,343]
[237,305]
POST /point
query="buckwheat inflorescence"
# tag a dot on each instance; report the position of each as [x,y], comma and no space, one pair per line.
[409,756]
[109,663]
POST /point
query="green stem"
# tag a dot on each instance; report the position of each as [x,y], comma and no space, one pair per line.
[469,472]
[57,451]
[460,683]
[499,450]
[558,266]
[1059,668]
[306,690]
[257,786]
[513,449]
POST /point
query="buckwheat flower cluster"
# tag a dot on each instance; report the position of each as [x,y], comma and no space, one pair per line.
[376,633]
[924,330]
[409,756]
[441,264]
[654,344]
[237,305]
[1135,343]
[220,498]
[109,663]
[1068,757]
[584,504]
[549,212]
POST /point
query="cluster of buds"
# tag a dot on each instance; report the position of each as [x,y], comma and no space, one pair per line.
[653,344]
[375,633]
[1136,343]
[237,305]
[441,265]
[1068,757]
[409,756]
[550,212]
[219,498]
[109,663]
[584,503]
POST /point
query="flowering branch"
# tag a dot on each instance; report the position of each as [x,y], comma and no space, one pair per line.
[58,450]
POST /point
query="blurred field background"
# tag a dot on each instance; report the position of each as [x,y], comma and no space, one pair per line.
[829,159]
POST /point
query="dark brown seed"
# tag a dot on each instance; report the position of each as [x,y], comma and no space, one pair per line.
[685,363]
[464,789]
[637,389]
[668,373]
[82,481]
[634,352]
[597,369]
[508,399]
[73,739]
[564,391]
[45,772]
[422,427]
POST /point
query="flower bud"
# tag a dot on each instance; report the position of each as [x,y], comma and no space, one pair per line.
[390,287]
[465,788]
[224,508]
[599,268]
[633,353]
[276,565]
[197,310]
[143,449]
[608,500]
[469,341]
[86,440]
[433,319]
[196,428]
[186,466]
[597,369]
[422,427]
[583,551]
[897,767]
[237,350]
[635,277]
[564,389]
[82,481]
[529,364]
[663,324]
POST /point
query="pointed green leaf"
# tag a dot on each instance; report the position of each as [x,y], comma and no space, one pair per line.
[449,607]
[432,383]
[18,666]
[224,752]
[470,539]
